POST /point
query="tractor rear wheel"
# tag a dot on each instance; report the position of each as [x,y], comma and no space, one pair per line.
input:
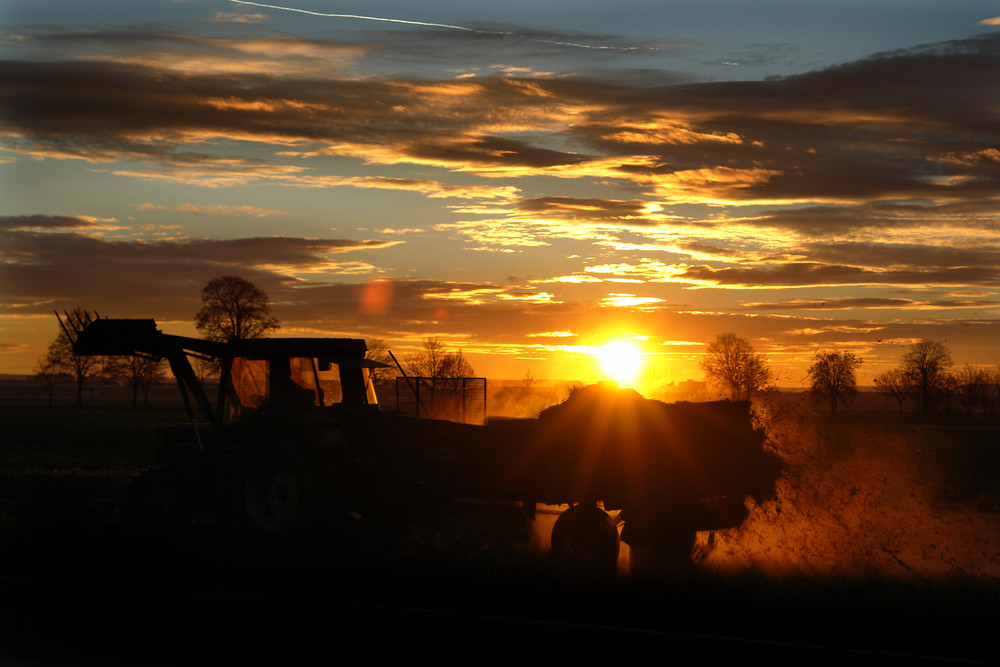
[280,490]
[585,539]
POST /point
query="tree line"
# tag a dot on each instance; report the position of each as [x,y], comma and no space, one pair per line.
[236,309]
[924,376]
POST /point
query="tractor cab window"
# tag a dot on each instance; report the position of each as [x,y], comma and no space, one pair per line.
[333,383]
[296,383]
[248,387]
[318,384]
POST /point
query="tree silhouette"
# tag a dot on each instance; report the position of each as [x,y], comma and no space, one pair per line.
[436,362]
[140,372]
[234,309]
[49,371]
[61,359]
[992,388]
[730,361]
[832,376]
[896,383]
[448,371]
[973,387]
[927,364]
[379,351]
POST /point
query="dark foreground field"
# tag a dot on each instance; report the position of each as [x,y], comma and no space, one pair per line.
[882,547]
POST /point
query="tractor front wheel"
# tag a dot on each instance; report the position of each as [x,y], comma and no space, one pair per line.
[155,505]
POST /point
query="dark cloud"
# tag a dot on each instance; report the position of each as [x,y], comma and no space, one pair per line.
[823,220]
[106,111]
[876,217]
[800,274]
[884,255]
[899,125]
[163,280]
[28,222]
[416,306]
[497,151]
[869,303]
[39,269]
[871,129]
[591,209]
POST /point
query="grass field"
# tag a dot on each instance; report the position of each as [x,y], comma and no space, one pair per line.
[67,469]
[876,515]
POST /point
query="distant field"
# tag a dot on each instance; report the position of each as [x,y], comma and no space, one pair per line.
[87,425]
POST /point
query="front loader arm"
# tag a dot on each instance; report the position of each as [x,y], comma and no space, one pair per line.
[114,337]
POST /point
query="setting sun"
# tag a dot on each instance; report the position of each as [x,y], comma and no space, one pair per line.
[621,361]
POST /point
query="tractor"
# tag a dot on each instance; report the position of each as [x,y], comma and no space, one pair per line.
[295,444]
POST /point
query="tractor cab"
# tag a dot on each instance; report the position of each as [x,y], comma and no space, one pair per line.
[275,376]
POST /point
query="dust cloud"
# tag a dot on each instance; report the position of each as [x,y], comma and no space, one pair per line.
[521,401]
[861,498]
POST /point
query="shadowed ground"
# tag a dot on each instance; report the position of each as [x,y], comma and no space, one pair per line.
[77,588]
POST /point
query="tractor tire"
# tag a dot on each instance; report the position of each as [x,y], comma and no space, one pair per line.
[585,540]
[280,491]
[155,505]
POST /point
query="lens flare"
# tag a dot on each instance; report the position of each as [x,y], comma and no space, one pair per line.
[621,361]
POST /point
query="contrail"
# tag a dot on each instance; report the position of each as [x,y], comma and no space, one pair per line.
[429,24]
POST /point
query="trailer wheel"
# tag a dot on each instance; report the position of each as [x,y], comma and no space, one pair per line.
[155,505]
[279,490]
[584,538]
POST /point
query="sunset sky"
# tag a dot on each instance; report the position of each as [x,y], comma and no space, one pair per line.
[527,181]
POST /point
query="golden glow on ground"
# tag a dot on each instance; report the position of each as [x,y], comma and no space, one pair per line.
[621,361]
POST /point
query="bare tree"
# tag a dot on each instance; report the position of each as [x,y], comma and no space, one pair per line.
[234,309]
[896,383]
[379,351]
[832,375]
[927,364]
[206,370]
[973,387]
[456,366]
[429,362]
[436,362]
[139,372]
[992,388]
[49,371]
[730,361]
[527,382]
[61,358]
[446,389]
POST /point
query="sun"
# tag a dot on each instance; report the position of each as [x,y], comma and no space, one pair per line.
[621,361]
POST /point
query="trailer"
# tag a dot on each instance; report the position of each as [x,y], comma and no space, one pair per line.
[295,443]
